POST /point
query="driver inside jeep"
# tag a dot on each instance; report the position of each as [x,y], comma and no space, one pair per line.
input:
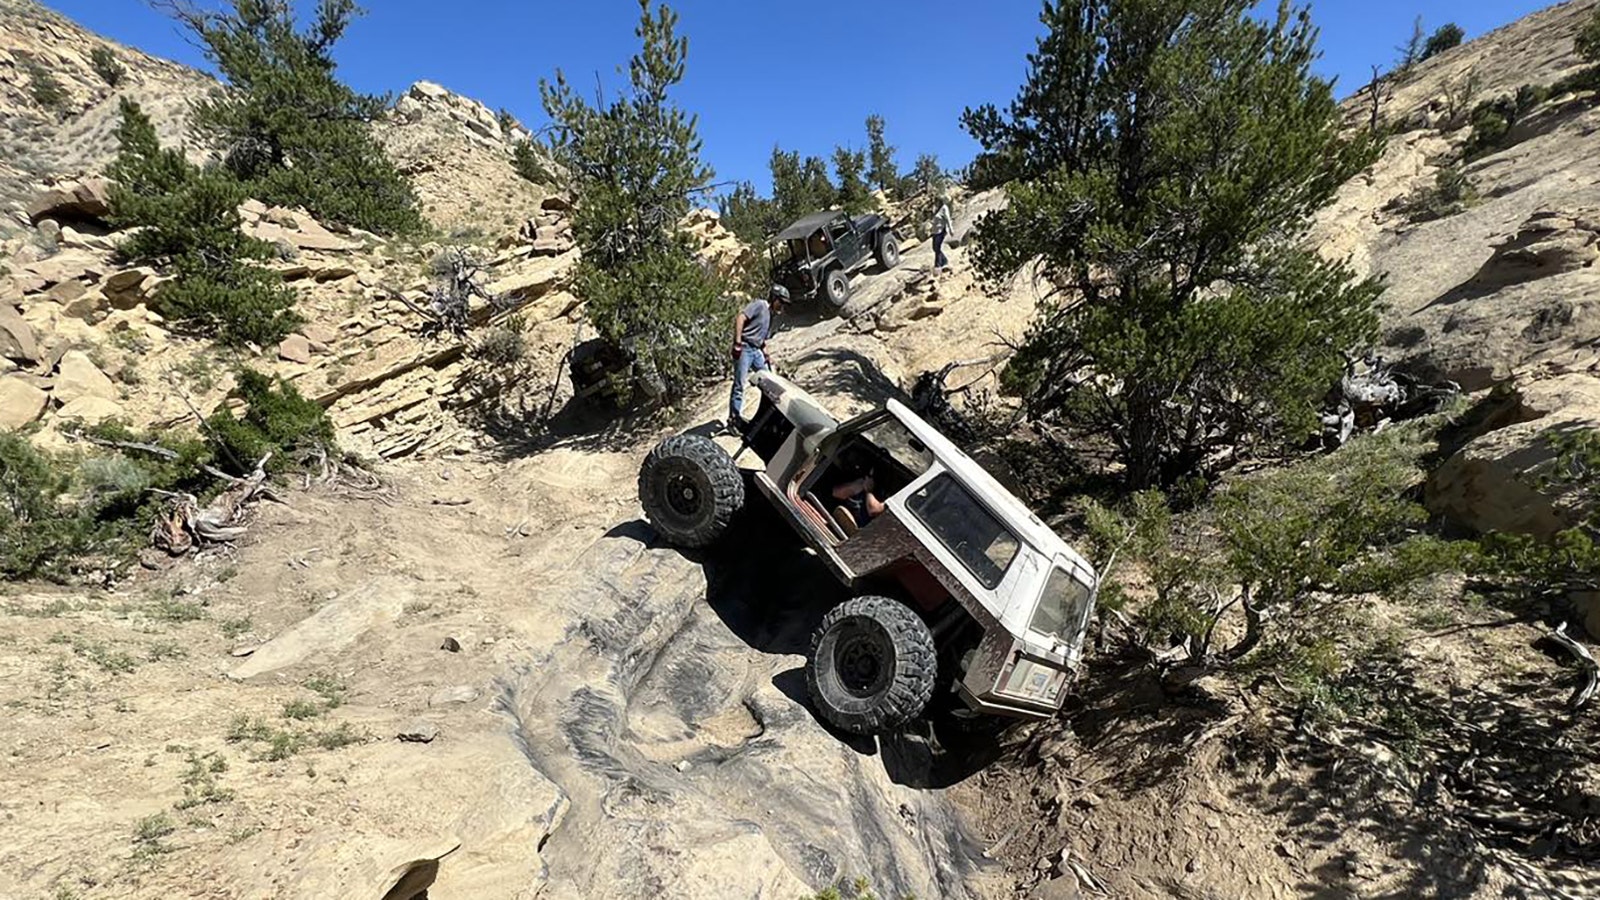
[860,505]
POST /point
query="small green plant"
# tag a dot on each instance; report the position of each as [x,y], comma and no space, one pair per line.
[301,710]
[506,121]
[165,606]
[275,744]
[1587,43]
[200,371]
[331,689]
[150,834]
[232,628]
[45,88]
[1493,120]
[199,780]
[163,650]
[503,345]
[338,737]
[105,64]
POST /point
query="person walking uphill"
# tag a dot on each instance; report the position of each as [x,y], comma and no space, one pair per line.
[751,328]
[942,226]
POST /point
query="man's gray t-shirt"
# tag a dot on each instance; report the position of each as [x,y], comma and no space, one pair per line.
[757,323]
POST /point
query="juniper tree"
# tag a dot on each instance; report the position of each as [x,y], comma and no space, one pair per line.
[188,220]
[632,165]
[882,172]
[286,125]
[848,165]
[1446,37]
[1168,155]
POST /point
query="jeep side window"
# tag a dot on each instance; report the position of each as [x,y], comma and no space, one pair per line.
[977,539]
[1061,607]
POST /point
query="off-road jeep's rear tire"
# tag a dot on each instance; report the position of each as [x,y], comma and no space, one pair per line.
[690,489]
[836,287]
[888,252]
[872,666]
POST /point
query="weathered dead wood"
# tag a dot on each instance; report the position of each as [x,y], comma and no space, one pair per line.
[1584,692]
[187,524]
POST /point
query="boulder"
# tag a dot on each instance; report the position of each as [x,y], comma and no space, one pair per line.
[295,348]
[78,376]
[86,199]
[65,292]
[16,337]
[20,403]
[68,265]
[1492,483]
[556,203]
[49,230]
[90,410]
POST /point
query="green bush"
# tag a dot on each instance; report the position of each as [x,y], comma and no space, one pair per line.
[105,64]
[1493,120]
[289,129]
[1294,548]
[1451,193]
[1447,37]
[1569,561]
[1587,43]
[190,225]
[62,515]
[277,419]
[528,164]
[44,87]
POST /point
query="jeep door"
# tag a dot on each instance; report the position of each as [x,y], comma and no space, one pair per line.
[847,244]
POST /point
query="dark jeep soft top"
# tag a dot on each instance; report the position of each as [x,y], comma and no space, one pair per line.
[815,255]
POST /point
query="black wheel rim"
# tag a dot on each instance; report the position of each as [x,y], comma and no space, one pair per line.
[864,659]
[684,495]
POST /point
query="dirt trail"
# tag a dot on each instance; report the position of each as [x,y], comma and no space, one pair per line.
[621,719]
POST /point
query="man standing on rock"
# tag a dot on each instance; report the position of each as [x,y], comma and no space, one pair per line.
[751,328]
[942,226]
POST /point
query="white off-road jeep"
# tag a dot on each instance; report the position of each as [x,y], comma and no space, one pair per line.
[958,586]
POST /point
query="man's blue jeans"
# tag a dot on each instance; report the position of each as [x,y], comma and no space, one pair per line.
[750,360]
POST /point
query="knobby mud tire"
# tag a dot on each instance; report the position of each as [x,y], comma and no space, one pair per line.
[901,686]
[836,288]
[690,489]
[888,252]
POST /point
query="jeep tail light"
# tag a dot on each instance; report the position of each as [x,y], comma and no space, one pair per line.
[1032,681]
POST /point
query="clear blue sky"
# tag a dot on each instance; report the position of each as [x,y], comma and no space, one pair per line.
[800,74]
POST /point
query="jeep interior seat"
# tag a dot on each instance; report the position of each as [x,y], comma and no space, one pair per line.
[846,522]
[834,528]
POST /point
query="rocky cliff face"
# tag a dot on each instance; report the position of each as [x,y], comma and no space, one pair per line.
[76,135]
[1505,293]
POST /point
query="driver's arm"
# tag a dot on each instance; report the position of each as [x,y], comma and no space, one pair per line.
[738,330]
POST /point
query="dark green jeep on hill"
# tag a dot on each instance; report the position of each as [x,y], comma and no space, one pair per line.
[815,255]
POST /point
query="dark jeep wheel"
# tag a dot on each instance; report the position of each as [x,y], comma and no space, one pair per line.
[888,252]
[872,666]
[690,489]
[836,287]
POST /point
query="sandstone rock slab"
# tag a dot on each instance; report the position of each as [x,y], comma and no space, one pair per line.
[16,337]
[86,199]
[20,403]
[78,376]
[90,410]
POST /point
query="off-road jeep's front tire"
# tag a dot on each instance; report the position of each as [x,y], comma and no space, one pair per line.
[872,666]
[690,489]
[888,252]
[836,288]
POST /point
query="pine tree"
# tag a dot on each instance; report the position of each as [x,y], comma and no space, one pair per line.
[632,166]
[853,194]
[749,215]
[881,170]
[1446,37]
[525,160]
[188,220]
[1411,51]
[1168,155]
[288,127]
